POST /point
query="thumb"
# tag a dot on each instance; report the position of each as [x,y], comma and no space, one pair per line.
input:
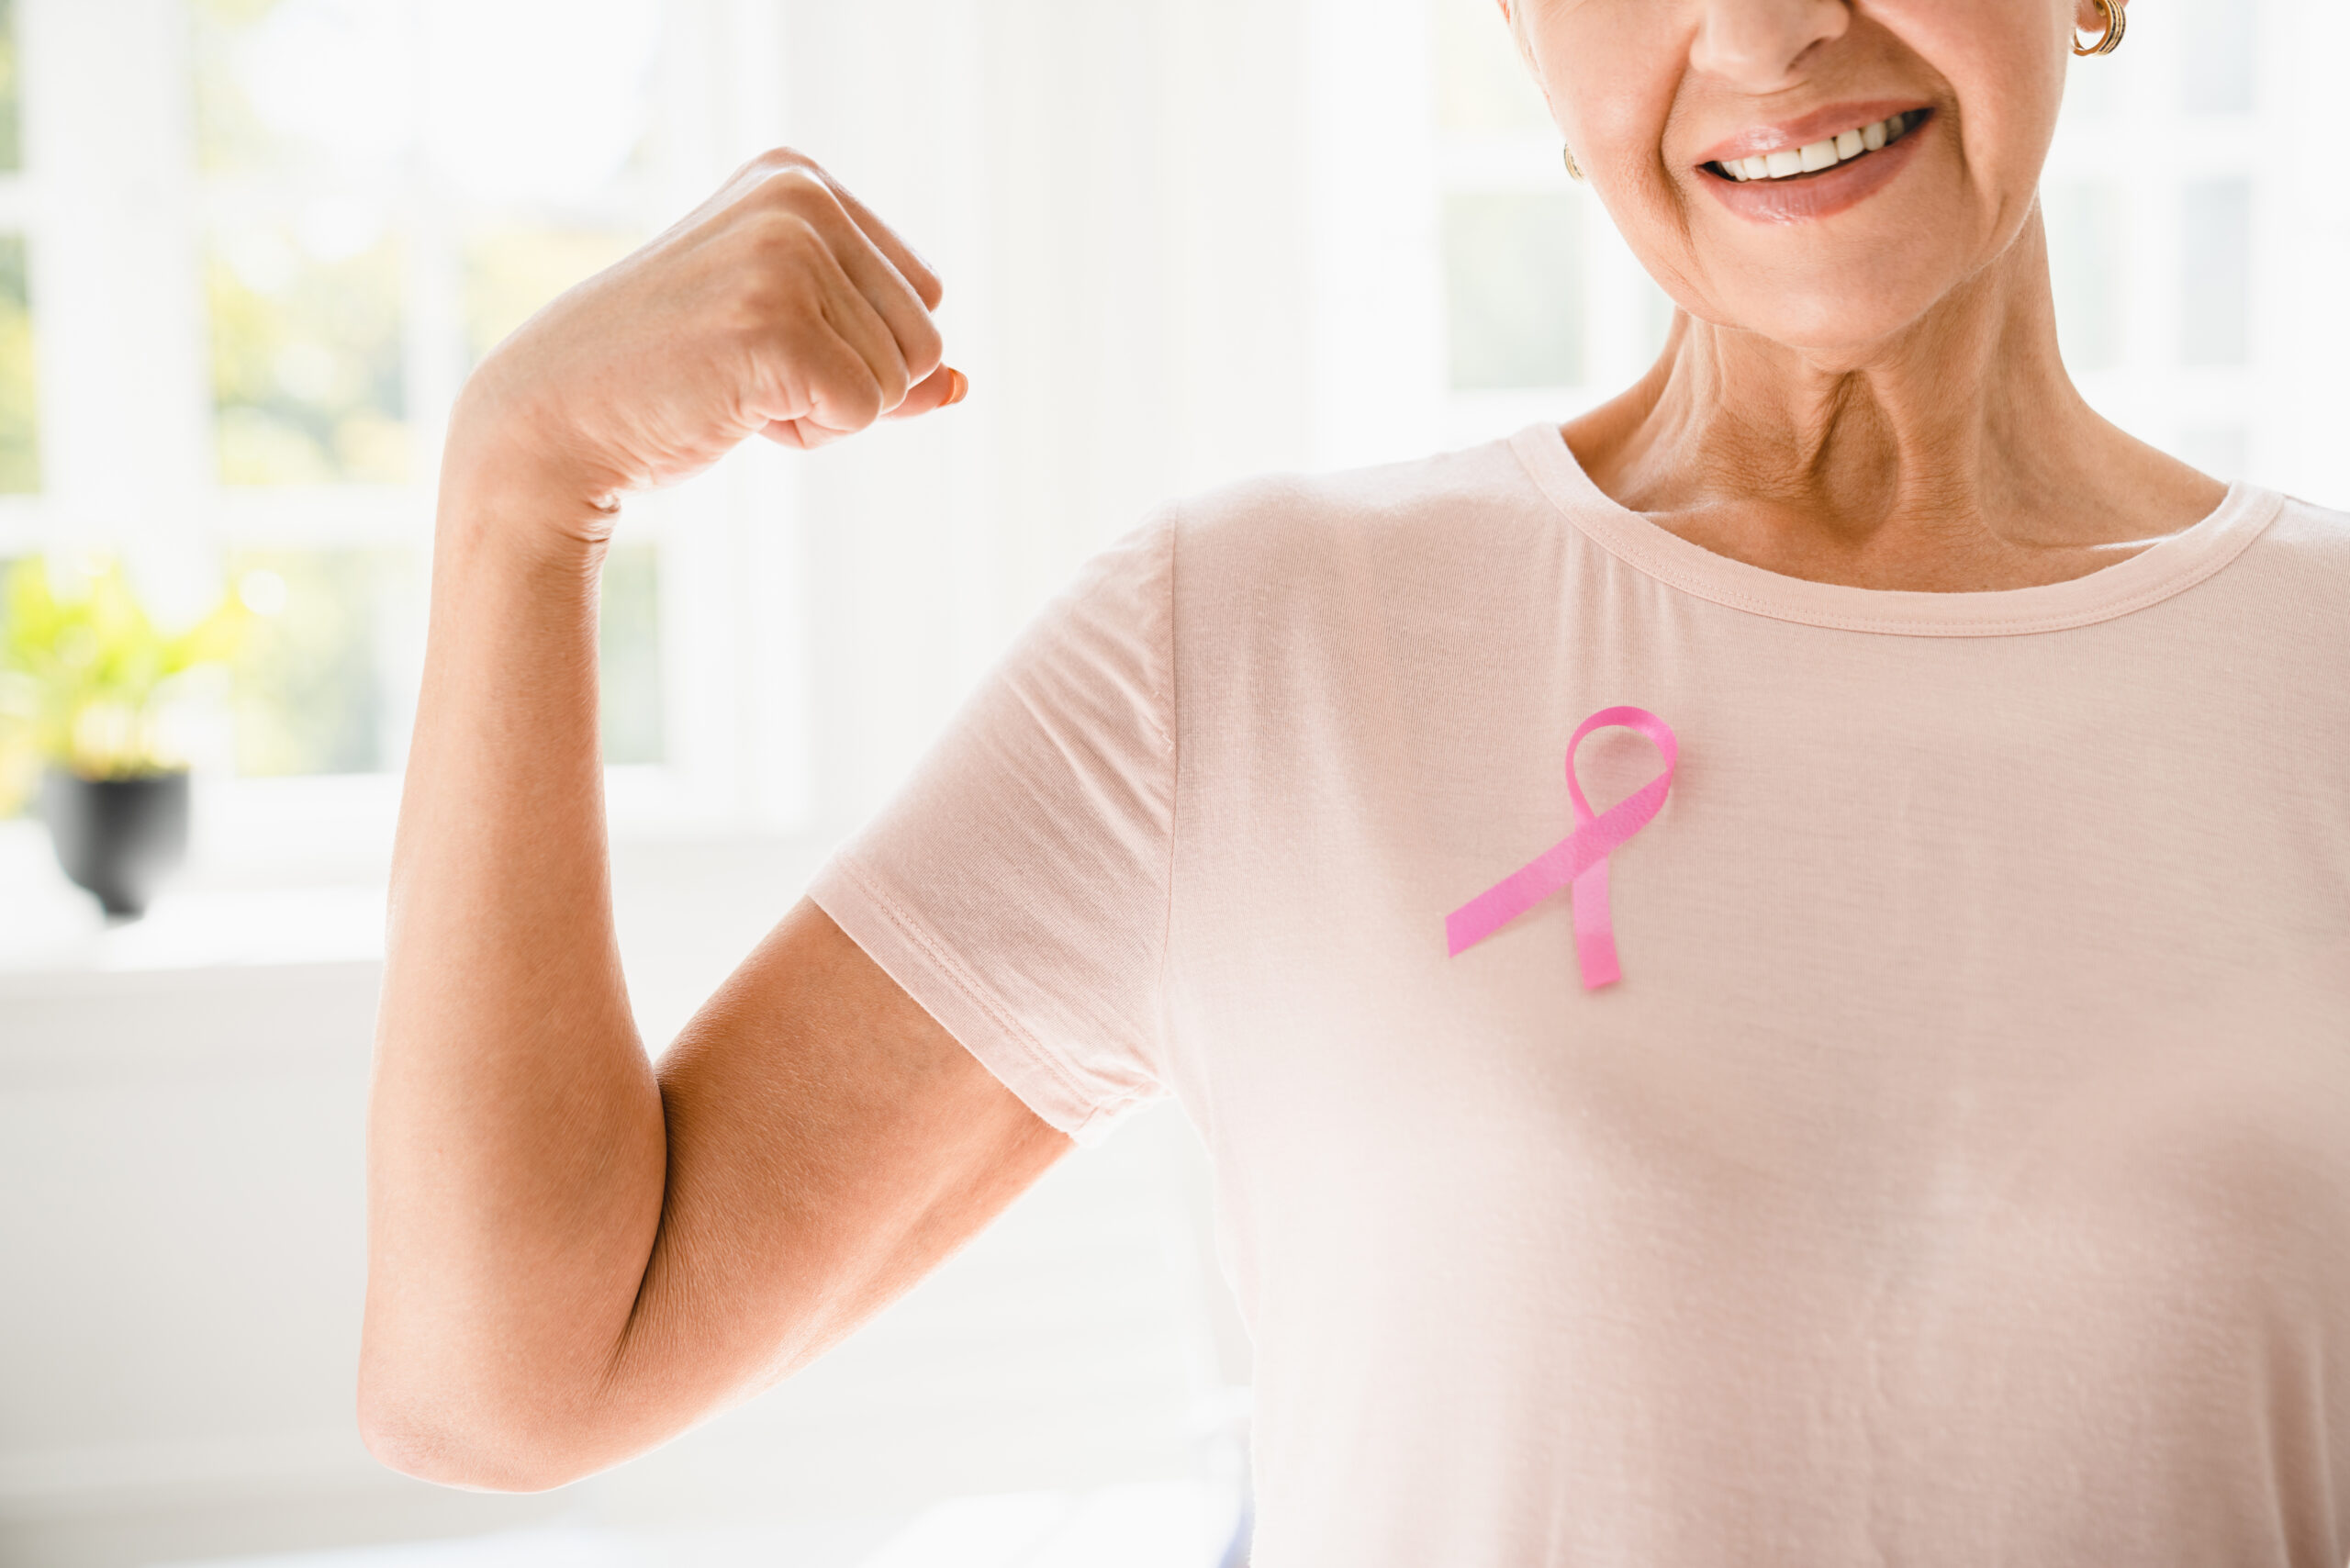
[942,388]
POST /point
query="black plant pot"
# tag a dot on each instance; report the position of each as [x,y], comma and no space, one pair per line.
[118,837]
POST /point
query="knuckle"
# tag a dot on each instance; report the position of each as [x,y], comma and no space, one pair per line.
[925,351]
[779,234]
[783,158]
[851,413]
[778,263]
[798,187]
[928,342]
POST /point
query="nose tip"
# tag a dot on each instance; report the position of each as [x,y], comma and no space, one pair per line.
[1757,45]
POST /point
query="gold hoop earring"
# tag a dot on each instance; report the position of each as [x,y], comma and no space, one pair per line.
[2117,21]
[1574,170]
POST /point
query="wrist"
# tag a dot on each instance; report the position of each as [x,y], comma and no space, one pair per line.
[500,480]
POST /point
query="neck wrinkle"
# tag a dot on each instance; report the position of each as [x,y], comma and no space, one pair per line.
[1956,446]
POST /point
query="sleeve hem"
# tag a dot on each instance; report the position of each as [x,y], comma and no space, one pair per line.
[926,971]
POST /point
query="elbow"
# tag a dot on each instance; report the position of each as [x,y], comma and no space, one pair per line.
[453,1437]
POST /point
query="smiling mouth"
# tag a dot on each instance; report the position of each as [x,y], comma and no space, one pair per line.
[1789,163]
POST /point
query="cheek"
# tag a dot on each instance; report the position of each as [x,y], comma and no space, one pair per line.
[1612,69]
[1614,78]
[2004,62]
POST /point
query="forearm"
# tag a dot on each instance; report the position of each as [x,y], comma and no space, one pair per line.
[516,1141]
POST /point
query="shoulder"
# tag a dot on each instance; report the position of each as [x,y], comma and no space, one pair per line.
[1391,515]
[2301,560]
[1314,582]
[2316,532]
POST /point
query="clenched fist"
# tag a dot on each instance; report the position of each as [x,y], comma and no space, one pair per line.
[782,307]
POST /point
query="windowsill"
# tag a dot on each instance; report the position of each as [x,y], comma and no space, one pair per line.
[49,928]
[292,871]
[687,910]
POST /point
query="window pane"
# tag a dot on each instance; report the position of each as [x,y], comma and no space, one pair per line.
[2086,253]
[19,725]
[2217,74]
[1481,82]
[2220,451]
[19,422]
[629,636]
[511,272]
[12,144]
[306,350]
[1513,273]
[315,678]
[2215,253]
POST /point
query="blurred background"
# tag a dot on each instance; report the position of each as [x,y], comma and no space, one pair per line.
[250,249]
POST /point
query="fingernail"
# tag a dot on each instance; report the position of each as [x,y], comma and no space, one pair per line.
[961,388]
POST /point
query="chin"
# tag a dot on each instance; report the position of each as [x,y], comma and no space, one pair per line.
[1843,328]
[1844,311]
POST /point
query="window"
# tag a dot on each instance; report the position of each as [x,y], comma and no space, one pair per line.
[327,211]
[380,204]
[2158,261]
[1546,311]
[19,413]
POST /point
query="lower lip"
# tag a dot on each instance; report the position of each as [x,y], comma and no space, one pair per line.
[1823,194]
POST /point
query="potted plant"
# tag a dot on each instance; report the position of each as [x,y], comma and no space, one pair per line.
[85,674]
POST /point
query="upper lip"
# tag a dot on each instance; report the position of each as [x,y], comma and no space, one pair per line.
[1816,126]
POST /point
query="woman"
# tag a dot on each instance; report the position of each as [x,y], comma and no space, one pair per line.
[1954,1174]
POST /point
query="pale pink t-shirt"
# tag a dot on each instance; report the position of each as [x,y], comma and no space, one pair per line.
[1960,1173]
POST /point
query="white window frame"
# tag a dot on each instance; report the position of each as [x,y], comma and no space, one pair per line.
[113,212]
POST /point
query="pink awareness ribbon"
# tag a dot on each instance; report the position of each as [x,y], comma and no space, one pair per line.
[1578,861]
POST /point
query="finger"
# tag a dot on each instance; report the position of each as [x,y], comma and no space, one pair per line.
[820,381]
[784,160]
[856,323]
[942,388]
[892,294]
[801,435]
[798,187]
[911,267]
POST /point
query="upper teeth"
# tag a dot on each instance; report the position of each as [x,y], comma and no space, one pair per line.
[1821,154]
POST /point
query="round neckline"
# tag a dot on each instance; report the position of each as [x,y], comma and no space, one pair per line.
[2170,565]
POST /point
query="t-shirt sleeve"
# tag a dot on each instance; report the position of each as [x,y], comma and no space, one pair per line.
[1018,885]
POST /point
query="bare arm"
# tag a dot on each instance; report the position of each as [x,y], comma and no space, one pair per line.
[572,1254]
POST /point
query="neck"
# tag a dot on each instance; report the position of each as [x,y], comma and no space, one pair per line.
[1954,456]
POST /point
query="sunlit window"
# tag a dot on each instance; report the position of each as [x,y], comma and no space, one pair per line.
[2153,260]
[12,132]
[1539,293]
[1513,272]
[20,418]
[2086,236]
[306,379]
[384,197]
[311,695]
